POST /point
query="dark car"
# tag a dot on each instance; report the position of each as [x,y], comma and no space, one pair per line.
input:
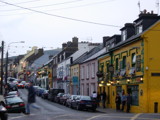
[3,110]
[70,100]
[52,93]
[12,93]
[15,105]
[64,98]
[58,97]
[20,85]
[84,102]
[40,91]
[45,94]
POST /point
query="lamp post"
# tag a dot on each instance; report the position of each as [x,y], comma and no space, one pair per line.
[6,66]
[2,49]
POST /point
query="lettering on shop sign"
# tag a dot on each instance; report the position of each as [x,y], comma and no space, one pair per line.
[155,74]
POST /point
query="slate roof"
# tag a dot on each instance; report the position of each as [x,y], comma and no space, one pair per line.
[86,55]
[102,51]
[44,58]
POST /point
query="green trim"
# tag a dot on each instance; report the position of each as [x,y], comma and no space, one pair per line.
[117,55]
[124,52]
[133,49]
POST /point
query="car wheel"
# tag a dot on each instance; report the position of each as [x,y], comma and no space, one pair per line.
[94,109]
[78,107]
[4,116]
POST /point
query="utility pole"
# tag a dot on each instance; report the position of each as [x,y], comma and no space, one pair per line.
[6,69]
[2,50]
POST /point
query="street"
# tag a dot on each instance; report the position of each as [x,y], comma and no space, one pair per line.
[53,111]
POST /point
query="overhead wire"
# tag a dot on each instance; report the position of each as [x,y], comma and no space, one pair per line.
[68,18]
[24,2]
[58,8]
[73,1]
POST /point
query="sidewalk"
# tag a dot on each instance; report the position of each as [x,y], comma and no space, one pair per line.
[108,110]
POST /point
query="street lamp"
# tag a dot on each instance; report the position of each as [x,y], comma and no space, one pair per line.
[6,66]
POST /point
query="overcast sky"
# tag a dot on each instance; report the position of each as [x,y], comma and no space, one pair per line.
[49,23]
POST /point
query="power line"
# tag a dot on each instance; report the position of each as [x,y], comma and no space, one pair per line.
[73,1]
[25,2]
[68,18]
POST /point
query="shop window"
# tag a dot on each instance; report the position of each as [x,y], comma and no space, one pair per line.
[134,90]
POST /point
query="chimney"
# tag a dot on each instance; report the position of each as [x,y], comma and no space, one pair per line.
[64,45]
[105,40]
[75,40]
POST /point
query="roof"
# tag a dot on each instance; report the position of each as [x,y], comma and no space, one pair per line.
[102,51]
[86,55]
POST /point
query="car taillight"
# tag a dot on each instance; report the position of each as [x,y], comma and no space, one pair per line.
[82,101]
[8,106]
[21,104]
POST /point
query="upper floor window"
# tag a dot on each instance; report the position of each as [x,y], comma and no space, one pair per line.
[124,62]
[139,29]
[133,60]
[87,71]
[124,35]
[93,70]
[117,61]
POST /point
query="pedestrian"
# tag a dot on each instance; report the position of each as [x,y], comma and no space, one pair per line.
[94,95]
[98,99]
[103,95]
[123,99]
[129,101]
[118,101]
[31,98]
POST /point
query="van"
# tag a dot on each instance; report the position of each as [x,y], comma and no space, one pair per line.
[52,93]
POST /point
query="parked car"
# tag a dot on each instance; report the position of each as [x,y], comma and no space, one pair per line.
[26,85]
[12,86]
[70,100]
[58,97]
[45,94]
[52,93]
[20,85]
[64,98]
[12,93]
[3,110]
[15,105]
[40,91]
[84,102]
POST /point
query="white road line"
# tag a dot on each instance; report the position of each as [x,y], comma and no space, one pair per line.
[136,116]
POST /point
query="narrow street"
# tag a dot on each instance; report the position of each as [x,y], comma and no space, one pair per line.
[53,111]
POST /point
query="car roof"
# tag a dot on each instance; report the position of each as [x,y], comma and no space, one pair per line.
[1,98]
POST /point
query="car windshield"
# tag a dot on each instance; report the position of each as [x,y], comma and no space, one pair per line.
[12,93]
[13,100]
[85,98]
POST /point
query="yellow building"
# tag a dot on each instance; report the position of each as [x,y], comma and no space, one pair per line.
[134,65]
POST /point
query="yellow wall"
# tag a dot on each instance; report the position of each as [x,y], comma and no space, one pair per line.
[152,62]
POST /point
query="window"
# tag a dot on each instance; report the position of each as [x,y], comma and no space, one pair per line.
[87,71]
[139,29]
[117,63]
[82,72]
[124,62]
[93,70]
[124,35]
[133,59]
[134,90]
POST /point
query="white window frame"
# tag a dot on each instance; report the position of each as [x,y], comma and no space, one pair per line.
[124,35]
[87,75]
[93,70]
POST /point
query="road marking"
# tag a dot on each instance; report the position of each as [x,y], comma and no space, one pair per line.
[94,117]
[136,116]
